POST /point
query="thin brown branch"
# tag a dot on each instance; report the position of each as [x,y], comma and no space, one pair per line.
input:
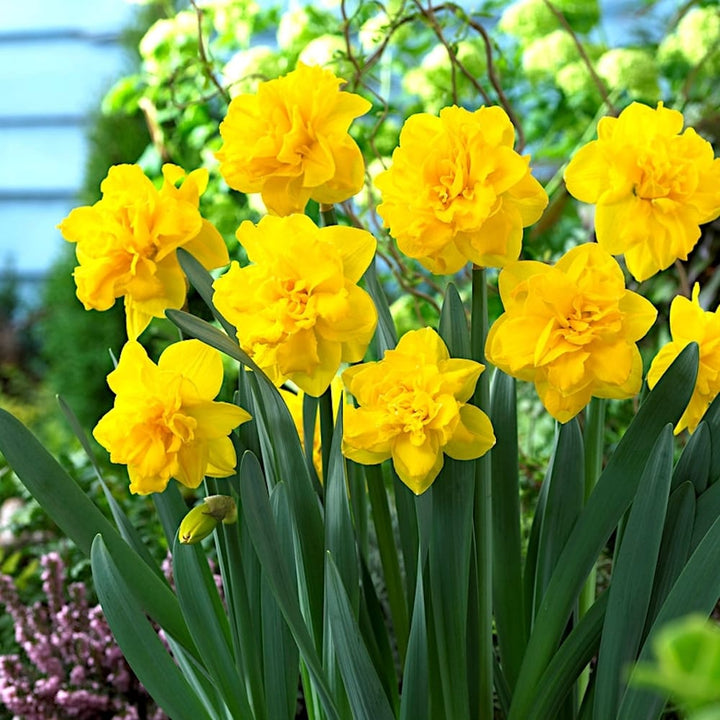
[207,65]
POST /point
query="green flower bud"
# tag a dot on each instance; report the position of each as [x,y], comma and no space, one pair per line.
[203,518]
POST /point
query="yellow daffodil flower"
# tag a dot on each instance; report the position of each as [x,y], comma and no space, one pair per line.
[290,142]
[690,323]
[571,329]
[413,409]
[164,422]
[457,192]
[298,310]
[126,242]
[652,185]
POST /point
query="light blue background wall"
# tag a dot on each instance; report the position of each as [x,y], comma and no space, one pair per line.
[56,59]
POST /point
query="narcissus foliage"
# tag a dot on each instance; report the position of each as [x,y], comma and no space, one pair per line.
[653,186]
[457,192]
[297,308]
[290,142]
[126,242]
[413,408]
[571,329]
[164,423]
[690,323]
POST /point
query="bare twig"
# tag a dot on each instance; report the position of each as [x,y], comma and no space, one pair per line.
[207,65]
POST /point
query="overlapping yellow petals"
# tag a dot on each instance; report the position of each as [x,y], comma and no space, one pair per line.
[413,408]
[297,308]
[571,329]
[126,242]
[690,323]
[653,186]
[457,192]
[164,422]
[290,142]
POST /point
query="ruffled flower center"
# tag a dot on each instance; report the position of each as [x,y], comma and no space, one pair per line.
[410,410]
[295,306]
[662,174]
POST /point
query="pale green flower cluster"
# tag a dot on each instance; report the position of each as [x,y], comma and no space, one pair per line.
[248,68]
[529,19]
[432,80]
[630,69]
[328,51]
[696,38]
[547,54]
[301,25]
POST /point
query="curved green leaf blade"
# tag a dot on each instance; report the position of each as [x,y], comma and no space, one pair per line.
[632,578]
[78,518]
[607,504]
[139,642]
[694,463]
[365,691]
[385,334]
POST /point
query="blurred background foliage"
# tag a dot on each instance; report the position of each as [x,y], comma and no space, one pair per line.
[555,67]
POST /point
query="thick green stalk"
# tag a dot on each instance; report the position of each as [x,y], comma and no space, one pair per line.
[594,436]
[483,508]
[325,408]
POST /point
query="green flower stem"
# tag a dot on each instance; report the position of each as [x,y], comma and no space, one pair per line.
[325,408]
[327,215]
[483,507]
[593,440]
[387,546]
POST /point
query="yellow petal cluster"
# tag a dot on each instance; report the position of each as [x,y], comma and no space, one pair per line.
[297,308]
[290,142]
[413,408]
[690,323]
[164,422]
[653,186]
[457,191]
[571,329]
[126,242]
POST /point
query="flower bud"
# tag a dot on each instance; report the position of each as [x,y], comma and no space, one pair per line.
[203,518]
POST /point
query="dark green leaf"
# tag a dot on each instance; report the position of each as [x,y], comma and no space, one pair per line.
[694,463]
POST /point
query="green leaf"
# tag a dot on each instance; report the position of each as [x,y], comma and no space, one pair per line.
[202,281]
[263,531]
[414,703]
[632,577]
[365,691]
[697,589]
[563,502]
[707,510]
[712,420]
[127,530]
[449,566]
[568,662]
[140,644]
[204,613]
[694,463]
[453,324]
[674,548]
[607,504]
[78,518]
[385,335]
[508,596]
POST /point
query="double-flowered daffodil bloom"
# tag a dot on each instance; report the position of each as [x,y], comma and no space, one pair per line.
[164,423]
[571,329]
[297,308]
[457,191]
[690,323]
[290,142]
[413,408]
[652,186]
[126,242]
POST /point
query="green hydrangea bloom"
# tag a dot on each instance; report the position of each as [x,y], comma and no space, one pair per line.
[630,69]
[547,54]
[328,51]
[248,68]
[530,19]
[698,33]
[301,25]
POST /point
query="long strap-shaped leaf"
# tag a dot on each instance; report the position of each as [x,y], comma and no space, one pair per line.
[609,501]
[140,644]
[261,525]
[632,578]
[364,689]
[78,517]
[696,590]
